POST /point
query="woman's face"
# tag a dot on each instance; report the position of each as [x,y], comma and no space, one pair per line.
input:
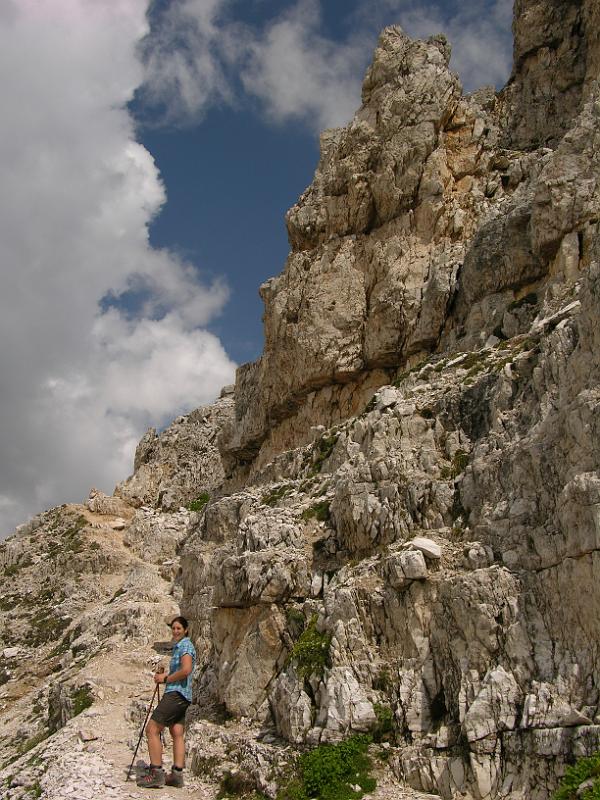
[178,631]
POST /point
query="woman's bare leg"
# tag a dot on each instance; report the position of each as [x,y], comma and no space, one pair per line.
[178,744]
[153,731]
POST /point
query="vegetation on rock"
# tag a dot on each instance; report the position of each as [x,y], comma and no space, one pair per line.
[81,699]
[277,494]
[584,770]
[199,503]
[384,726]
[333,772]
[323,449]
[319,511]
[310,654]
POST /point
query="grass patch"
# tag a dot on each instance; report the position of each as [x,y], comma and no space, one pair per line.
[81,699]
[323,448]
[475,370]
[72,541]
[119,593]
[45,626]
[62,648]
[320,511]
[460,459]
[198,504]
[472,359]
[330,771]
[310,654]
[371,404]
[277,494]
[29,744]
[583,770]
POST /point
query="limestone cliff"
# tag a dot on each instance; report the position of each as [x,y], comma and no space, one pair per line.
[397,515]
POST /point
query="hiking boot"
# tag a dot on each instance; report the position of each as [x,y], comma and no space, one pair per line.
[153,779]
[175,778]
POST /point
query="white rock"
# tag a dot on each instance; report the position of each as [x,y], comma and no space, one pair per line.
[428,547]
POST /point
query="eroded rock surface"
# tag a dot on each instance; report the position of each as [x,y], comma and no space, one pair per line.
[175,467]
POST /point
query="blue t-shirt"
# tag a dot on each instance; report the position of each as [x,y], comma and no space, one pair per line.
[180,649]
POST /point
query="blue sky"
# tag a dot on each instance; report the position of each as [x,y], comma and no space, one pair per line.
[227,196]
[148,154]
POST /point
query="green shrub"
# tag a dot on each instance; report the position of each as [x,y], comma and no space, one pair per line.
[320,511]
[294,790]
[460,459]
[581,771]
[199,503]
[382,681]
[310,654]
[385,722]
[331,770]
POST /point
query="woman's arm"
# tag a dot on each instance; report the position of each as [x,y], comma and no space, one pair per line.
[181,674]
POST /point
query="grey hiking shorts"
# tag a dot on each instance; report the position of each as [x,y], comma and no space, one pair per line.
[171,709]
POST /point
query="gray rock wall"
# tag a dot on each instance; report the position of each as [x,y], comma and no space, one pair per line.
[434,550]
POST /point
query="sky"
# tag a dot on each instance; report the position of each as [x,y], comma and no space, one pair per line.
[148,154]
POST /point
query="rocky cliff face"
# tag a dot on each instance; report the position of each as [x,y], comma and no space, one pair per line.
[404,515]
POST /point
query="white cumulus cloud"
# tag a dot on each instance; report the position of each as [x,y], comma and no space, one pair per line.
[82,374]
[300,74]
[182,57]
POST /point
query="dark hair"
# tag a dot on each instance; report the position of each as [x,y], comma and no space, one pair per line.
[182,621]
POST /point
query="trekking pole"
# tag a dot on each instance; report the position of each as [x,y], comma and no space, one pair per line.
[142,732]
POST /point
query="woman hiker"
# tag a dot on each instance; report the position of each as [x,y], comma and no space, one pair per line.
[170,712]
